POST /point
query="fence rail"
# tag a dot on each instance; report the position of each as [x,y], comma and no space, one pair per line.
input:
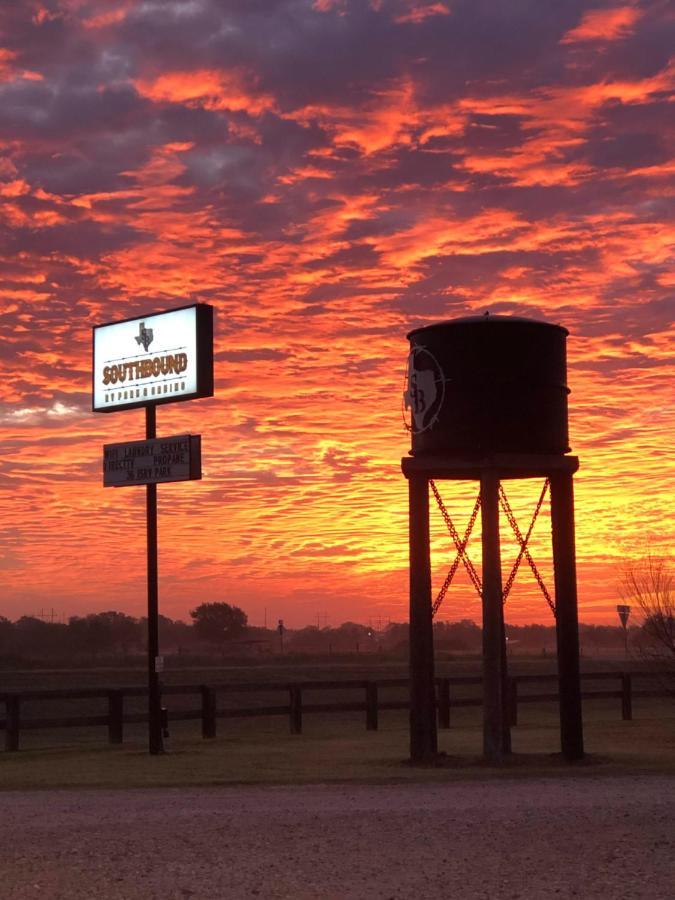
[296,707]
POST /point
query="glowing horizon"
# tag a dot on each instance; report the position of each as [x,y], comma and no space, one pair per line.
[328,175]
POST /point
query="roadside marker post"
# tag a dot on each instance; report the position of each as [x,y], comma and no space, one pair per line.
[624,614]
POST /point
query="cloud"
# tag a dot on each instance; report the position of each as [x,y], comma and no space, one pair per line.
[343,462]
[327,175]
[419,13]
[612,24]
[38,415]
[208,88]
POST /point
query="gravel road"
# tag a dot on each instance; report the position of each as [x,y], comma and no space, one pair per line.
[589,837]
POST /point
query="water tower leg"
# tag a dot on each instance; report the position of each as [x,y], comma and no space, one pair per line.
[506,693]
[423,735]
[567,623]
[496,736]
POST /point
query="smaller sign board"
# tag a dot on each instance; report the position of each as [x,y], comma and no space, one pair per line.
[177,458]
[624,612]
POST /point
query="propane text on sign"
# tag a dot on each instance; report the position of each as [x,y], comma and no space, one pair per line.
[152,461]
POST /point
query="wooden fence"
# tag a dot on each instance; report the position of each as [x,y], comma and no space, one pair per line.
[295,707]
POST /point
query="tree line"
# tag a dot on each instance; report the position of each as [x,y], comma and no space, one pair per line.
[222,629]
[116,634]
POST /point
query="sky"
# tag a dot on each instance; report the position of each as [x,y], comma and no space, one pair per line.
[328,175]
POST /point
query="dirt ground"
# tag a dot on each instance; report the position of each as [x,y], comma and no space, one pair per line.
[589,837]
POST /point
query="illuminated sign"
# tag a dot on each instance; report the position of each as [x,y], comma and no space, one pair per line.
[152,359]
[152,461]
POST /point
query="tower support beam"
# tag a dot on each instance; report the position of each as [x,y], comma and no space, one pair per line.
[496,733]
[423,733]
[489,471]
[567,620]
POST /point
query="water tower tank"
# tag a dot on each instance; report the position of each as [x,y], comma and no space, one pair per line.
[487,384]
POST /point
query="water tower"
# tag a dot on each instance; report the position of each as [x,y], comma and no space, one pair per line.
[486,401]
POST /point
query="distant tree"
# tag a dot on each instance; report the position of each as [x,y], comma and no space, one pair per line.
[35,639]
[464,635]
[395,638]
[6,635]
[601,638]
[350,637]
[310,640]
[106,632]
[174,634]
[262,641]
[649,584]
[533,637]
[218,623]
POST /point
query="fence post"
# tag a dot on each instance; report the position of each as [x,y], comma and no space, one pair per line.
[371,706]
[513,701]
[208,711]
[295,709]
[626,697]
[115,717]
[13,722]
[443,688]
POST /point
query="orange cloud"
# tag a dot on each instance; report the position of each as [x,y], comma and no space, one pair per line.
[385,119]
[213,89]
[9,72]
[611,24]
[107,18]
[328,5]
[558,117]
[303,173]
[14,188]
[419,13]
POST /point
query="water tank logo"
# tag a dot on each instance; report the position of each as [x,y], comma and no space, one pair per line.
[425,390]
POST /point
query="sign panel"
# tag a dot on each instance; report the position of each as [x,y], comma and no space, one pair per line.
[624,613]
[158,358]
[152,461]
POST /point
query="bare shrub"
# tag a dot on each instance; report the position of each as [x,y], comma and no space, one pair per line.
[648,584]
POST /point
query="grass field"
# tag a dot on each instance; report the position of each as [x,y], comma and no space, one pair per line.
[288,670]
[333,748]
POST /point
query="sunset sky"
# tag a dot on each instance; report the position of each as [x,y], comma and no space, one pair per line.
[328,175]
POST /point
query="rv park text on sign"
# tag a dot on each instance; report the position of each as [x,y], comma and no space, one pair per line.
[152,461]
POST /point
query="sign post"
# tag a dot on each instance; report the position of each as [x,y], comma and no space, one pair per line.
[142,362]
[156,743]
[624,612]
